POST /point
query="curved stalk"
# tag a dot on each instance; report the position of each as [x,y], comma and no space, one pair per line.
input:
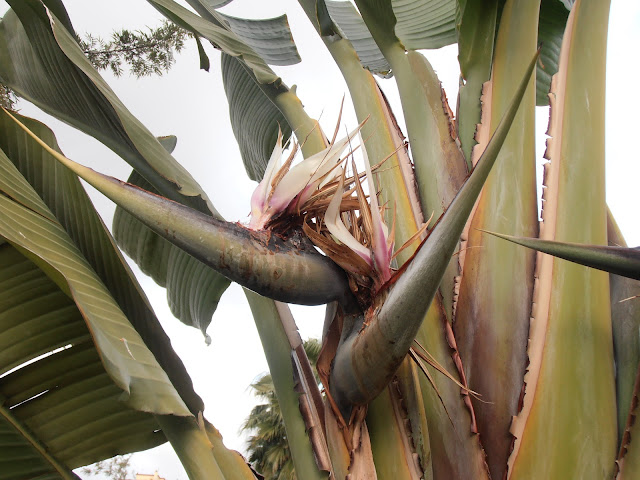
[367,360]
[270,319]
[290,270]
[192,447]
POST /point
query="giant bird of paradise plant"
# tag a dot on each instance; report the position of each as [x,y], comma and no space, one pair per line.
[448,352]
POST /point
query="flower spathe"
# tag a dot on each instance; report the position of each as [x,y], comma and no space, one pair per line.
[303,189]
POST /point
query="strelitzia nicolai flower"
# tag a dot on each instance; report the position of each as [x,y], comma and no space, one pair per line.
[285,188]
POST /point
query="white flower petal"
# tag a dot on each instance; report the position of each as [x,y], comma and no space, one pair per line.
[310,171]
[334,223]
[382,246]
[261,193]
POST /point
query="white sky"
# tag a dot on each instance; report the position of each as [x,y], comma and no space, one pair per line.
[190,104]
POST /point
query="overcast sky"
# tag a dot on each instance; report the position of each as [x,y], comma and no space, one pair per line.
[190,104]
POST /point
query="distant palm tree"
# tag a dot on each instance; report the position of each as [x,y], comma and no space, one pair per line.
[268,448]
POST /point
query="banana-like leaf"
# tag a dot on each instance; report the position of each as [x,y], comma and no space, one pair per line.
[290,270]
[272,102]
[353,28]
[617,260]
[44,240]
[79,343]
[417,24]
[425,23]
[272,42]
[193,289]
[41,60]
[63,194]
[255,119]
[18,443]
[220,35]
[570,341]
[270,38]
[490,305]
[92,396]
[553,18]
[368,358]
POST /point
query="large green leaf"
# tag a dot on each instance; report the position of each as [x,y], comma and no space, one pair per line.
[99,112]
[270,38]
[42,62]
[193,289]
[19,443]
[425,23]
[87,400]
[417,24]
[255,119]
[125,355]
[352,27]
[220,35]
[65,197]
[72,364]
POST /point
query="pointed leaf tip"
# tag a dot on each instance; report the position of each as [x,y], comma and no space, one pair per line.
[617,260]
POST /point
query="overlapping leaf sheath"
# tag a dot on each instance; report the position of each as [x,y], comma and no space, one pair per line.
[476,24]
[496,286]
[397,187]
[569,399]
[368,356]
[625,321]
[389,411]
